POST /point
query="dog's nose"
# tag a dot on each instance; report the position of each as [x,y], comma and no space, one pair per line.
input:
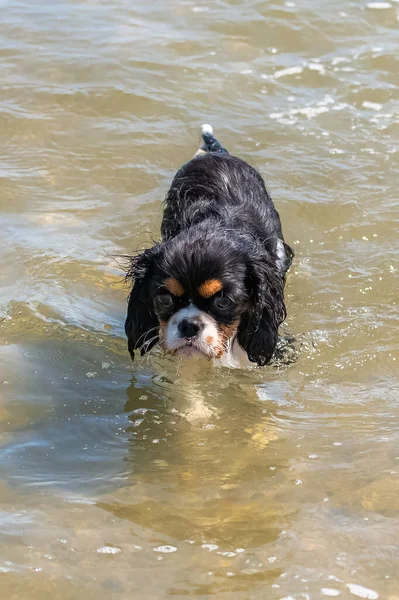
[190,327]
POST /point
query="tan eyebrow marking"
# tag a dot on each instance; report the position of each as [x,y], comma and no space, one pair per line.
[210,287]
[174,286]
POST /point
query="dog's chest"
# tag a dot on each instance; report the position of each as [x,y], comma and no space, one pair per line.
[235,358]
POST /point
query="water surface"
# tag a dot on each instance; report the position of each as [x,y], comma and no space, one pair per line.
[174,481]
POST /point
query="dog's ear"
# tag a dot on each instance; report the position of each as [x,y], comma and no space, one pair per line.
[258,329]
[141,322]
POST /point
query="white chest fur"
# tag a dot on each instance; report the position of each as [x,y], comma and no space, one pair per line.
[235,358]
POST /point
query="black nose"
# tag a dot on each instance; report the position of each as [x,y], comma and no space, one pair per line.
[190,327]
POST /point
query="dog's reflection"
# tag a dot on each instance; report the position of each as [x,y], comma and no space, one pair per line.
[202,460]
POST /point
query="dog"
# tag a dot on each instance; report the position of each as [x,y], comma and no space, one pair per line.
[214,286]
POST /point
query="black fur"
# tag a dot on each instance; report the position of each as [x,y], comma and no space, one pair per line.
[139,321]
[219,222]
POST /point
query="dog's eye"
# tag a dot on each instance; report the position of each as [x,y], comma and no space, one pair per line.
[165,300]
[222,302]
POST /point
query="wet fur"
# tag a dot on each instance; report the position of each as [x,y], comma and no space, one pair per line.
[218,217]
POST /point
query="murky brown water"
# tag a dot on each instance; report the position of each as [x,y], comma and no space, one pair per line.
[171,481]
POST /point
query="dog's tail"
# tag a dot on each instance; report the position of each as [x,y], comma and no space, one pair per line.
[210,143]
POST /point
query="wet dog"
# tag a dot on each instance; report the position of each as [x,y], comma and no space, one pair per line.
[214,285]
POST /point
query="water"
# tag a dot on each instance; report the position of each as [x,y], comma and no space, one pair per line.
[165,480]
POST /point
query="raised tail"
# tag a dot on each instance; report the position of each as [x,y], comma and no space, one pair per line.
[210,143]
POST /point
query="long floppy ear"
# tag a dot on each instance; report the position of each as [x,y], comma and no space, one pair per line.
[141,322]
[258,329]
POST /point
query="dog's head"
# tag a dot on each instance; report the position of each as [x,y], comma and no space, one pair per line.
[198,291]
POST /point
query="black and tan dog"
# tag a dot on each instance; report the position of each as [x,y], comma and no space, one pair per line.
[214,285]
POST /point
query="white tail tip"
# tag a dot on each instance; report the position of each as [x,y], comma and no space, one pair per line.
[206,129]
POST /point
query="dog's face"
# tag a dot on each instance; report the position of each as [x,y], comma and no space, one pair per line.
[195,293]
[201,317]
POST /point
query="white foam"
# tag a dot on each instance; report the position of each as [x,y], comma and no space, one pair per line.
[362,592]
[311,111]
[276,115]
[165,549]
[379,5]
[108,550]
[317,67]
[210,547]
[344,70]
[291,116]
[372,105]
[288,71]
[326,100]
[330,592]
[340,106]
[207,129]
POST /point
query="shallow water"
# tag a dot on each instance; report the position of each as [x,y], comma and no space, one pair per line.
[173,480]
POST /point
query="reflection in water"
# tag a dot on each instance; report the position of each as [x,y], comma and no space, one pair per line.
[202,471]
[195,481]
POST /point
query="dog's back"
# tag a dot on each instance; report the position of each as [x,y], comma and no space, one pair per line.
[225,191]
